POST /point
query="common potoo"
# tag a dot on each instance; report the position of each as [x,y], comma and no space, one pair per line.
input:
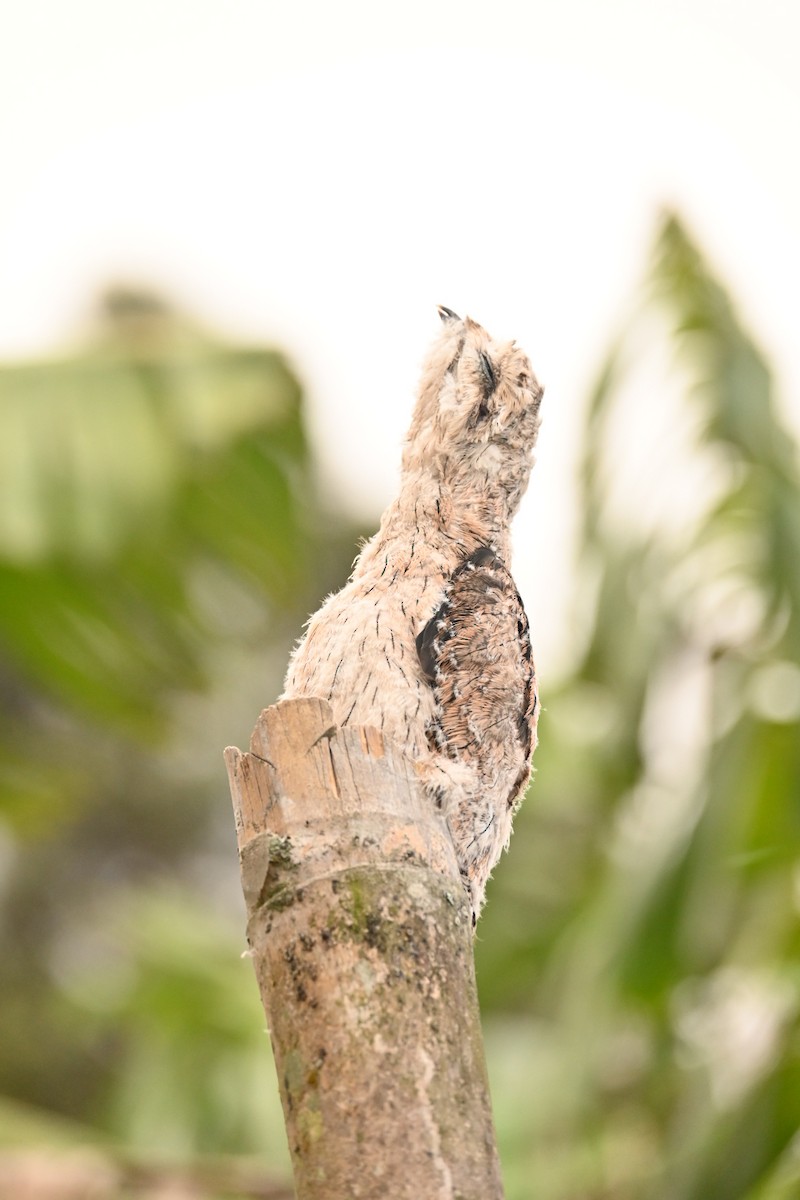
[429,640]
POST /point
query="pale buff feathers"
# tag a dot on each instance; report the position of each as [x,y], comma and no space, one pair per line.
[466,464]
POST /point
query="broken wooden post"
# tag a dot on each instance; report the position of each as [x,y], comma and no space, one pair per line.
[361,938]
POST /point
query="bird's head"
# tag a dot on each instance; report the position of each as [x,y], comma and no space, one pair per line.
[477,414]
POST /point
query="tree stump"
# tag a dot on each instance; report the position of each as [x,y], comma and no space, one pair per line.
[361,938]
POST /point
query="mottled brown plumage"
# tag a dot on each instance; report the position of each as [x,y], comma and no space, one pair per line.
[429,639]
[476,653]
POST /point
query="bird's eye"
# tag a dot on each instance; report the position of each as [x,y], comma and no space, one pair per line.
[487,371]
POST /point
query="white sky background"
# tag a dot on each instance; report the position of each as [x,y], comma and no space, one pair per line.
[322,175]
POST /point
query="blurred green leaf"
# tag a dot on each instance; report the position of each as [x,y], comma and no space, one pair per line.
[130,466]
[646,919]
[160,546]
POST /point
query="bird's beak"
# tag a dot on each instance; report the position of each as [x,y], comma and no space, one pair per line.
[447,314]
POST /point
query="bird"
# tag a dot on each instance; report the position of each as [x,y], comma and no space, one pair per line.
[428,640]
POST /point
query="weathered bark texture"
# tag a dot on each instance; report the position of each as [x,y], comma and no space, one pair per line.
[361,939]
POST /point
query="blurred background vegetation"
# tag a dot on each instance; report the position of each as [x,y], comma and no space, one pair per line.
[162,541]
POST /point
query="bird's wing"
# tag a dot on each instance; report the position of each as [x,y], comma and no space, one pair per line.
[476,653]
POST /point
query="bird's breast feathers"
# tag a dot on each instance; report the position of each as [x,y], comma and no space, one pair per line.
[442,663]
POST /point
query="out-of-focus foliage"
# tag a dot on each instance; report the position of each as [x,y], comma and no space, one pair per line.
[644,929]
[127,476]
[160,545]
